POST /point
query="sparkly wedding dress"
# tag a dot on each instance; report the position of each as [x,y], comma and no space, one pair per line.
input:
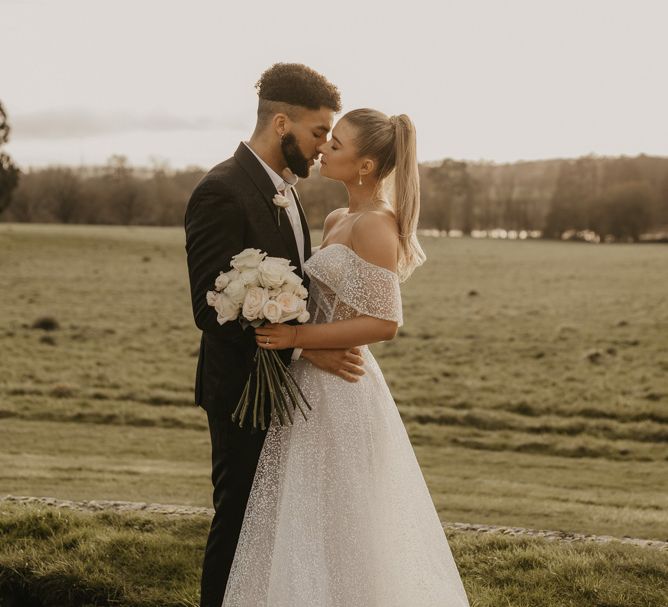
[339,514]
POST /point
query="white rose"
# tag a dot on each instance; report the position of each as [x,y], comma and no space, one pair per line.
[289,302]
[273,271]
[281,261]
[247,259]
[255,299]
[303,316]
[301,292]
[290,306]
[292,282]
[274,293]
[233,274]
[226,308]
[272,310]
[211,298]
[250,277]
[236,291]
[293,278]
[222,281]
[286,288]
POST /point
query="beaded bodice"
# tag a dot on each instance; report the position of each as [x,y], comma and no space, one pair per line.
[343,285]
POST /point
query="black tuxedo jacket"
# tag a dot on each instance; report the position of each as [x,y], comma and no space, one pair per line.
[232,209]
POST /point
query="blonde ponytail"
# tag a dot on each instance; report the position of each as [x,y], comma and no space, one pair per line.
[391,141]
[407,195]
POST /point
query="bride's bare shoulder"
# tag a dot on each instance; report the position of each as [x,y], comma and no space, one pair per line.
[375,237]
[333,217]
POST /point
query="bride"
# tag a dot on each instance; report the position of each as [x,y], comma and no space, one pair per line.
[339,514]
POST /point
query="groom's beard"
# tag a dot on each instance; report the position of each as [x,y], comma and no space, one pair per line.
[297,162]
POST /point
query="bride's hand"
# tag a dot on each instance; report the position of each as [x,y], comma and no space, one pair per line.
[279,336]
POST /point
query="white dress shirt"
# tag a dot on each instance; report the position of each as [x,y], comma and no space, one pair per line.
[293,214]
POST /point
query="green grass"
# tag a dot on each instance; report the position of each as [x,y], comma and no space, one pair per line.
[532,376]
[62,557]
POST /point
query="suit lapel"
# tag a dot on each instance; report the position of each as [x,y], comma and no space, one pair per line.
[264,184]
[305,230]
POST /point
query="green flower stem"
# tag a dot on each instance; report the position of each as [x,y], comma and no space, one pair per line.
[262,391]
[285,399]
[290,377]
[258,380]
[288,386]
[277,378]
[277,402]
[267,388]
[294,382]
[295,397]
[244,409]
[242,400]
[273,380]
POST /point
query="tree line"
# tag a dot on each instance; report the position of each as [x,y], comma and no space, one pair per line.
[9,173]
[115,193]
[615,198]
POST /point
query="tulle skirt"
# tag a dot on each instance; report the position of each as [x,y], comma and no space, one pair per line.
[339,514]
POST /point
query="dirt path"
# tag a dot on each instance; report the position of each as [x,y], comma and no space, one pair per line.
[177,510]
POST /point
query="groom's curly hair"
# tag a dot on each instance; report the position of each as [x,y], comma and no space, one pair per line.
[285,86]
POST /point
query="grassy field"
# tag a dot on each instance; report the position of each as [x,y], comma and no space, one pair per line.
[62,558]
[532,376]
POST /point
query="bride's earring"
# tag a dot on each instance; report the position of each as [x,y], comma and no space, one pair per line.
[360,181]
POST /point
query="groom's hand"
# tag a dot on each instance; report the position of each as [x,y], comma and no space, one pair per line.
[344,363]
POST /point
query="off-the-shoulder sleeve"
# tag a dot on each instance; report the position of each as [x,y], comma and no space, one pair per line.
[364,286]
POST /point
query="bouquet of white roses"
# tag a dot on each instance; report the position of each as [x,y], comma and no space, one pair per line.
[258,289]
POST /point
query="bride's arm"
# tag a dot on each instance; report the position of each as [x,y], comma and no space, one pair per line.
[344,333]
[375,239]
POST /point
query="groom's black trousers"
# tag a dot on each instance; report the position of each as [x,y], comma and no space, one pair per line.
[234,456]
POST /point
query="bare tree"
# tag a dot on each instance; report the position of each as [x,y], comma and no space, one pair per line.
[124,190]
[623,212]
[61,189]
[9,173]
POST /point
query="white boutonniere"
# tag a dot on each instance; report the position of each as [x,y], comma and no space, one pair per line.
[281,202]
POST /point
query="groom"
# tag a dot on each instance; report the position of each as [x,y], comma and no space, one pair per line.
[232,209]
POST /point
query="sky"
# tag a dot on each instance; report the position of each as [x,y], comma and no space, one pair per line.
[173,81]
